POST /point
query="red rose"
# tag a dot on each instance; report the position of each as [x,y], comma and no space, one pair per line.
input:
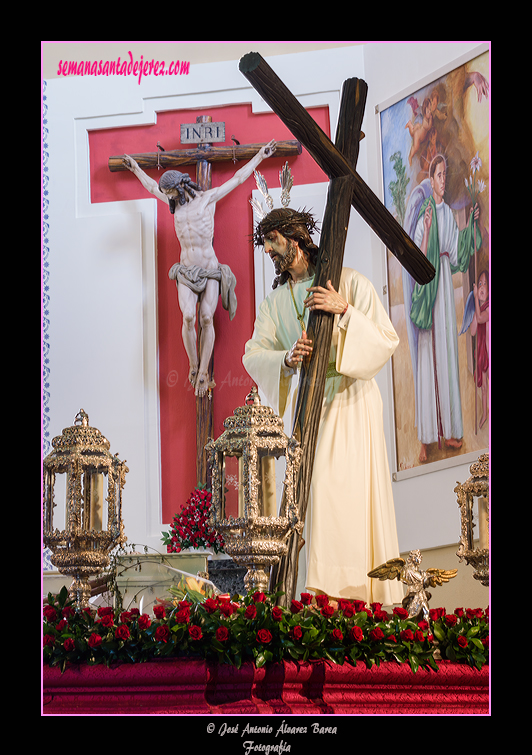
[327,611]
[337,635]
[306,598]
[107,620]
[462,641]
[94,640]
[183,616]
[49,613]
[376,634]
[195,632]
[418,636]
[125,617]
[297,632]
[459,612]
[436,613]
[451,620]
[296,606]
[407,635]
[67,612]
[250,612]
[222,634]
[356,634]
[400,612]
[134,611]
[48,640]
[322,600]
[423,624]
[210,605]
[380,615]
[359,605]
[159,612]
[68,644]
[106,611]
[277,613]
[259,597]
[162,633]
[144,621]
[122,632]
[346,607]
[264,636]
[61,625]
[228,609]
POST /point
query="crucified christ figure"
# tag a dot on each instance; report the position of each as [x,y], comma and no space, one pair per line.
[198,274]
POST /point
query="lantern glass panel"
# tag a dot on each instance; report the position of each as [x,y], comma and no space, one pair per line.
[232,486]
[478,532]
[60,501]
[272,474]
[95,510]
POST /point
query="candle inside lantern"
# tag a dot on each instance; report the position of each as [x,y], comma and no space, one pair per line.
[96,498]
[269,498]
[483,528]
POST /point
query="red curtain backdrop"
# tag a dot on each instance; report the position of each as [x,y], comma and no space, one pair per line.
[233,227]
[188,686]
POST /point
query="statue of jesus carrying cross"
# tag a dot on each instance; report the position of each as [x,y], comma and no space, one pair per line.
[198,274]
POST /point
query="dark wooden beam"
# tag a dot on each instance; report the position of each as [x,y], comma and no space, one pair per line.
[331,160]
[313,372]
[176,157]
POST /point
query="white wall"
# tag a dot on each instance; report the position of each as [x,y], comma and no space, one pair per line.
[100,319]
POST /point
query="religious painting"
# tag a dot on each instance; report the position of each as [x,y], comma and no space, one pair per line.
[435,167]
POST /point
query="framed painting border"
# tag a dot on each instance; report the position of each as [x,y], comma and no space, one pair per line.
[398,473]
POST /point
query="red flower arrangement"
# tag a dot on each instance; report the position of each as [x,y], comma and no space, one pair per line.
[191,529]
[236,629]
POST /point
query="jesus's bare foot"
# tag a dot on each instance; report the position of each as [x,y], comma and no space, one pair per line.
[423,453]
[453,443]
[202,384]
[192,375]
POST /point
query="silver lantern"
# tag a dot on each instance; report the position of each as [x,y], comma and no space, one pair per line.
[92,524]
[245,503]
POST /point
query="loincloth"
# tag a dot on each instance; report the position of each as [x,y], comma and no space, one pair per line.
[196,277]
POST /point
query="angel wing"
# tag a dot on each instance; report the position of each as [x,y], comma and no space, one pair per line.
[258,209]
[390,570]
[440,576]
[262,186]
[286,181]
[469,311]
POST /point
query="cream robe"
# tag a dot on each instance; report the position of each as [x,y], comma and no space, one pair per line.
[350,519]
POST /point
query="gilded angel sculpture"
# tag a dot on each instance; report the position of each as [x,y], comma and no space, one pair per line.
[416,601]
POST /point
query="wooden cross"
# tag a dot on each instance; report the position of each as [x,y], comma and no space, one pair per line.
[346,189]
[203,155]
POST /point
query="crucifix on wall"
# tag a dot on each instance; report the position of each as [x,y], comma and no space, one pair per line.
[199,276]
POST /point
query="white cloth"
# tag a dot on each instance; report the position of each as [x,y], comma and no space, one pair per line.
[196,277]
[351,517]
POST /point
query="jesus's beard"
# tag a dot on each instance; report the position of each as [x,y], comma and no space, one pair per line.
[282,263]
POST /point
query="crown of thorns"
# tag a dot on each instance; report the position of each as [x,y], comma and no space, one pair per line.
[285,220]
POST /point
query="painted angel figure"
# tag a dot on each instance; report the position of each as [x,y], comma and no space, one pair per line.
[416,601]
